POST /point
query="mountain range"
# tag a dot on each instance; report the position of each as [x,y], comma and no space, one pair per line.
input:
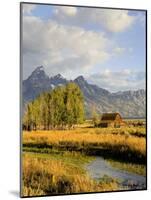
[129,104]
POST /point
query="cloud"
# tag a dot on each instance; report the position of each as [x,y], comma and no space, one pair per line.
[119,81]
[67,11]
[65,49]
[28,8]
[111,20]
[67,44]
[117,20]
[119,50]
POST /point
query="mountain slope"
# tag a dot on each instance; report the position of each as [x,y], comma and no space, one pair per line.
[35,84]
[128,103]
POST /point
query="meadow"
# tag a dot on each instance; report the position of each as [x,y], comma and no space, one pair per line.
[49,175]
[119,143]
[54,161]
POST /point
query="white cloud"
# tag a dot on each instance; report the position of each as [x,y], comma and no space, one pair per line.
[117,20]
[67,44]
[65,49]
[68,11]
[119,50]
[112,20]
[28,8]
[119,81]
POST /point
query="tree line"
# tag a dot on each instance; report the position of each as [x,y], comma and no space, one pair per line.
[60,108]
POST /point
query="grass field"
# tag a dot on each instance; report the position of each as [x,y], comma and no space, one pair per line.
[118,143]
[47,175]
[53,161]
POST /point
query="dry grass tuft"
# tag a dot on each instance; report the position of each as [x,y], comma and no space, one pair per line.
[47,177]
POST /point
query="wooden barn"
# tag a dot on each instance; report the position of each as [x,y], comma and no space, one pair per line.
[111,120]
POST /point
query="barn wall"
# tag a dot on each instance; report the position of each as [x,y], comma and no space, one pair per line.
[103,125]
[117,123]
[111,124]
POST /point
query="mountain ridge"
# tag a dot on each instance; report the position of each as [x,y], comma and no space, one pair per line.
[129,103]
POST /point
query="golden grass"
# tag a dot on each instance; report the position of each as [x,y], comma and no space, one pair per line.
[47,177]
[43,176]
[118,140]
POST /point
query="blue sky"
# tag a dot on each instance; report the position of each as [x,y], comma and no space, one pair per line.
[94,43]
[43,11]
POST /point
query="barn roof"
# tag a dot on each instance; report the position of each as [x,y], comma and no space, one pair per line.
[109,116]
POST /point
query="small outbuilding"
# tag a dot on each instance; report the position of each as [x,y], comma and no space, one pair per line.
[111,120]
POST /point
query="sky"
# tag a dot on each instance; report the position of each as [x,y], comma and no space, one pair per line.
[106,46]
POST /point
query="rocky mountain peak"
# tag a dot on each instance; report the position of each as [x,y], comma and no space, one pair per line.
[128,103]
[58,80]
[80,79]
[38,70]
[58,76]
[38,74]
